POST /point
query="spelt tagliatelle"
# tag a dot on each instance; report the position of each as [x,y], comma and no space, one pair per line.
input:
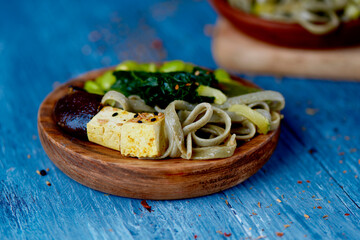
[209,131]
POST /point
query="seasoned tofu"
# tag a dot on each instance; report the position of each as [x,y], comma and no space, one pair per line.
[105,127]
[144,136]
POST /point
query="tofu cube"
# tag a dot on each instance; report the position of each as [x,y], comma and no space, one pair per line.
[105,127]
[144,136]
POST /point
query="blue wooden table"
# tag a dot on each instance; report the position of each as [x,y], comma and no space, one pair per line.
[309,189]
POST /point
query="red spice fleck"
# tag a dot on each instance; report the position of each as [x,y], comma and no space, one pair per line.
[325,216]
[195,236]
[319,207]
[341,153]
[299,182]
[259,204]
[344,171]
[307,181]
[177,87]
[347,214]
[227,234]
[306,216]
[279,234]
[312,150]
[146,205]
[157,44]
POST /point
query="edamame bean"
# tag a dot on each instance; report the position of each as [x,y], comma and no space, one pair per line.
[222,76]
[172,66]
[106,80]
[93,87]
[148,67]
[127,66]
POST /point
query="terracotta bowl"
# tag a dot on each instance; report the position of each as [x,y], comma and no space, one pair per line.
[286,34]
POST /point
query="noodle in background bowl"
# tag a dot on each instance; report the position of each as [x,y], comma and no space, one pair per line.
[288,34]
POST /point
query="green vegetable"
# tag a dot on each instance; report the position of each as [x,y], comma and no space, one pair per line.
[106,80]
[127,66]
[256,118]
[222,76]
[93,87]
[220,98]
[163,88]
[173,66]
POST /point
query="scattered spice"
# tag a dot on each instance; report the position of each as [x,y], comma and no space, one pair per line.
[347,138]
[115,114]
[353,150]
[319,207]
[279,234]
[177,87]
[38,172]
[311,111]
[195,236]
[312,150]
[146,205]
[47,169]
[325,216]
[278,200]
[341,161]
[279,213]
[254,213]
[307,181]
[227,234]
[344,171]
[188,84]
[306,216]
[286,225]
[28,156]
[347,214]
[299,182]
[277,188]
[48,183]
[341,153]
[157,44]
[259,204]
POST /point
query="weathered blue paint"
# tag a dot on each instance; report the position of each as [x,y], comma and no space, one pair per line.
[43,43]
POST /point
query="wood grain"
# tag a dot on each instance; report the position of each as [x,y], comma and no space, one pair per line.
[108,171]
[238,52]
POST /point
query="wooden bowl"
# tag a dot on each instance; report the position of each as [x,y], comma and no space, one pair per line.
[287,34]
[106,170]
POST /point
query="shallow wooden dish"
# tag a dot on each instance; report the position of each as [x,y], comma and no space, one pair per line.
[286,34]
[108,171]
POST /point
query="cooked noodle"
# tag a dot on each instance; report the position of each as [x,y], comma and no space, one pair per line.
[206,131]
[317,16]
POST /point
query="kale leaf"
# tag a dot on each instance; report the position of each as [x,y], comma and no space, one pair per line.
[160,89]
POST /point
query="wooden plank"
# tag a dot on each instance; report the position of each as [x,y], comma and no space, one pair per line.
[238,52]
